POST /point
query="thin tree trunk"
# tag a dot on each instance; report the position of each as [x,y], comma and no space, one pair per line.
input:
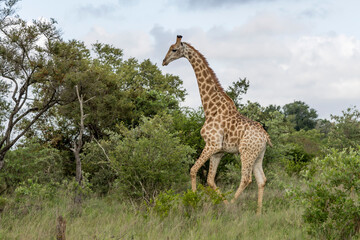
[78,144]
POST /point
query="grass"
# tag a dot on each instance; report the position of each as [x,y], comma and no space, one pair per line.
[110,218]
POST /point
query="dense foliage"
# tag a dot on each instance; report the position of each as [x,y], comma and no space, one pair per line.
[332,197]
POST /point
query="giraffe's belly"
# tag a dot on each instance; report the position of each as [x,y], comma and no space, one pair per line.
[230,148]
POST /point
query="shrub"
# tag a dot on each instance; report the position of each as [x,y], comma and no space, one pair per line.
[164,202]
[3,203]
[331,200]
[33,161]
[94,162]
[31,191]
[188,202]
[148,159]
[204,196]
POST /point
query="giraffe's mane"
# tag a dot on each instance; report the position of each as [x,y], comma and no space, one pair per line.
[213,75]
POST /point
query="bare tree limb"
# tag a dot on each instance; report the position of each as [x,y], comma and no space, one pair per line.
[107,157]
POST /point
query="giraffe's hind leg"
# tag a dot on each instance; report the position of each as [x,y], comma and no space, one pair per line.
[260,179]
[247,161]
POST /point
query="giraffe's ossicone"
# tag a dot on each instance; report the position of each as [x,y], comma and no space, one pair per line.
[225,129]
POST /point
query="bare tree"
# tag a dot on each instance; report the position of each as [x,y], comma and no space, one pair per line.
[78,144]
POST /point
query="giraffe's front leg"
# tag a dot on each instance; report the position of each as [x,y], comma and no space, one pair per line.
[207,152]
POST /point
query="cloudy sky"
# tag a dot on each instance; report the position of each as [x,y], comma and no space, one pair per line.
[289,50]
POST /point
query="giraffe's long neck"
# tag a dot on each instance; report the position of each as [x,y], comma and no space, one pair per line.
[213,97]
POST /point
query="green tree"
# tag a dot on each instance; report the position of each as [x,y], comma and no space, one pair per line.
[237,89]
[29,74]
[301,115]
[324,126]
[120,91]
[345,130]
[147,159]
[149,91]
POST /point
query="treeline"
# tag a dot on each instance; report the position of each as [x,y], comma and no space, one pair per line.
[136,140]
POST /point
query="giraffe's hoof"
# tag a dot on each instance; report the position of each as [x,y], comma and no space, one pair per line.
[233,200]
[226,202]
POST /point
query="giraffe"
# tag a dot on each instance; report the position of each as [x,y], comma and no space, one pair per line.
[225,129]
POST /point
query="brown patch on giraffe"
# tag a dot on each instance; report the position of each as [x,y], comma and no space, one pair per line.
[205,74]
[214,108]
[211,104]
[206,98]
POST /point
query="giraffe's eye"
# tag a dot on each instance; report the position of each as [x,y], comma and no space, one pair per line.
[174,50]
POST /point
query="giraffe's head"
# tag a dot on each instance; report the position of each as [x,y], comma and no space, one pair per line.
[176,51]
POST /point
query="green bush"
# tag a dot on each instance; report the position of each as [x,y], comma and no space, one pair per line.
[40,163]
[164,202]
[204,196]
[3,203]
[32,191]
[188,202]
[300,148]
[147,159]
[94,162]
[332,196]
[295,159]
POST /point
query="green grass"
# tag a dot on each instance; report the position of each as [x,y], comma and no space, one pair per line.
[110,218]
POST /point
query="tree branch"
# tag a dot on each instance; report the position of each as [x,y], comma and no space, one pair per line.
[10,143]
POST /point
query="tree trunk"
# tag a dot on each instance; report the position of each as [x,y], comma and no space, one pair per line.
[78,144]
[78,177]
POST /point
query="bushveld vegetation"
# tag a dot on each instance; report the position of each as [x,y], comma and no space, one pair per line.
[137,148]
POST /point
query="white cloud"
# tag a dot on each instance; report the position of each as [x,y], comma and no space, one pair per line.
[134,43]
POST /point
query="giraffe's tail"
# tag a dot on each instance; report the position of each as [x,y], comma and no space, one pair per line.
[268,140]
